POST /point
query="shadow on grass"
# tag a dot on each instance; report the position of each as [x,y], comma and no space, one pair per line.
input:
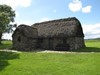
[87,49]
[5,46]
[5,56]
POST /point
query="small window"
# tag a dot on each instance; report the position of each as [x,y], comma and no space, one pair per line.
[40,40]
[64,41]
[19,39]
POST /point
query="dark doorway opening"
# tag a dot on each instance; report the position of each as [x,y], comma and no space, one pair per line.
[50,43]
[19,39]
[64,46]
[39,42]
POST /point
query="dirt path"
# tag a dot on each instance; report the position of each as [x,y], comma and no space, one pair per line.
[48,51]
[6,50]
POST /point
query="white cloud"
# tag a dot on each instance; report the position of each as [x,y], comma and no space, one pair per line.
[86,9]
[16,3]
[75,6]
[92,31]
[44,19]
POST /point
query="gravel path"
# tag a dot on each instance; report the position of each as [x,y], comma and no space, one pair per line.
[50,51]
[47,51]
[6,50]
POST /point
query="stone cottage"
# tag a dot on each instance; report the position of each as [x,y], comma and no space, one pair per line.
[61,34]
[24,38]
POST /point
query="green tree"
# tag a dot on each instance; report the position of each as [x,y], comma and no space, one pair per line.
[7,15]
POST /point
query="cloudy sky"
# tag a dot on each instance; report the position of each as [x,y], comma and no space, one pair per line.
[33,11]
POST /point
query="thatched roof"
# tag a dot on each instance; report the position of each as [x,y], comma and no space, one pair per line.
[26,31]
[68,27]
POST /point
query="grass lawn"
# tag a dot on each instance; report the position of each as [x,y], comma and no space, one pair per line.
[85,62]
[6,44]
[91,46]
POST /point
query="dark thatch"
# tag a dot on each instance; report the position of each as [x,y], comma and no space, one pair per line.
[26,31]
[68,27]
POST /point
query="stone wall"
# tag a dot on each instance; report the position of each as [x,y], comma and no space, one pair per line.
[79,42]
[20,42]
[76,42]
[51,44]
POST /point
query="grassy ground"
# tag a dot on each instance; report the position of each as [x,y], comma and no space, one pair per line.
[33,63]
[91,46]
[6,45]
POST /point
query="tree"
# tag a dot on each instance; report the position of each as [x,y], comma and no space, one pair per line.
[7,15]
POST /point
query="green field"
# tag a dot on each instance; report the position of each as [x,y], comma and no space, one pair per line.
[85,61]
[6,45]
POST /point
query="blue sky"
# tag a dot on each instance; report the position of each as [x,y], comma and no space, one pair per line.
[33,11]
